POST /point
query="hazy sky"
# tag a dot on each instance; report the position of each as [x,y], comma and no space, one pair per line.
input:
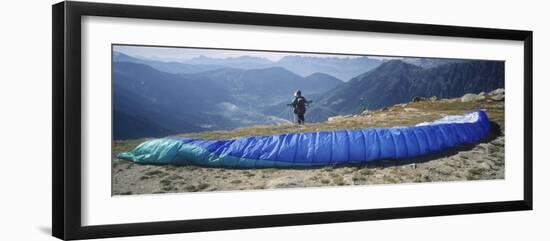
[181,54]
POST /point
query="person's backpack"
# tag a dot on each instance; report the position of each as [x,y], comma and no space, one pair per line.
[300,106]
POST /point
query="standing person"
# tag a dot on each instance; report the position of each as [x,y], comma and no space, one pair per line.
[299,104]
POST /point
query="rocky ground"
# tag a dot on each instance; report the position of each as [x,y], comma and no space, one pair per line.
[482,161]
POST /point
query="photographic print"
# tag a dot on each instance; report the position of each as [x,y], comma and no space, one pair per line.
[188,119]
[287,119]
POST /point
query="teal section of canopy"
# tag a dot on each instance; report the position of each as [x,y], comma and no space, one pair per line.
[315,148]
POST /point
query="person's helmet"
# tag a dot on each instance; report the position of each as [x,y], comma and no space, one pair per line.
[298,93]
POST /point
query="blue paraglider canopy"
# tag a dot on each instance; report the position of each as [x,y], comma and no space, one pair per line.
[316,148]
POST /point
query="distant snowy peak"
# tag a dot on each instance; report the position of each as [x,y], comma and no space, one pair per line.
[428,63]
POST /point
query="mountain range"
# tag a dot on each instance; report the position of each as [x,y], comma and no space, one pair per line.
[398,82]
[150,103]
[154,98]
[428,63]
[271,84]
[342,68]
[165,66]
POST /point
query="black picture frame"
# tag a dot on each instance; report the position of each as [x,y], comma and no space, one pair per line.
[66,127]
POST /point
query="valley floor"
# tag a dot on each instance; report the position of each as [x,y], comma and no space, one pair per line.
[482,161]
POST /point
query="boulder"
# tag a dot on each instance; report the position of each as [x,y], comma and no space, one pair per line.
[472,97]
[497,92]
[433,98]
[418,99]
[366,112]
[498,97]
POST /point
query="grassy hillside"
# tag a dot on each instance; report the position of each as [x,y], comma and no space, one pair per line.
[484,160]
[398,115]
